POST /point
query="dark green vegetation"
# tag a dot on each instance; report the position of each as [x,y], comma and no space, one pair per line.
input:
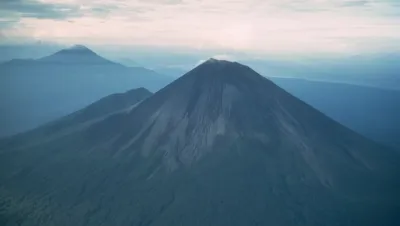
[221,145]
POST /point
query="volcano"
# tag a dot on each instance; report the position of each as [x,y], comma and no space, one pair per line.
[221,145]
[77,54]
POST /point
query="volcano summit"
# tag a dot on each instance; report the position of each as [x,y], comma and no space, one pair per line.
[222,145]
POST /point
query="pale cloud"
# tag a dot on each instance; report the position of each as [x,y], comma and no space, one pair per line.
[217,57]
[237,25]
[224,57]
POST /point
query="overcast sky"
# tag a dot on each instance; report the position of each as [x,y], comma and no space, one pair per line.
[332,26]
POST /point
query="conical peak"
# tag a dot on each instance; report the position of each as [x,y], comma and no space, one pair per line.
[212,65]
[76,50]
[212,62]
[78,47]
[214,71]
[75,54]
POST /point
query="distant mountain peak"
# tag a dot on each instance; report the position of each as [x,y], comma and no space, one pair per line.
[77,49]
[76,54]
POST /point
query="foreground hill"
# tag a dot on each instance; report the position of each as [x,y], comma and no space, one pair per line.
[221,145]
[62,83]
[97,111]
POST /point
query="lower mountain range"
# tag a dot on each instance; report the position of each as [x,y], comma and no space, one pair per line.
[221,145]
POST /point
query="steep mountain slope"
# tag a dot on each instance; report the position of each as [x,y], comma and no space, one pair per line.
[62,83]
[221,145]
[370,111]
